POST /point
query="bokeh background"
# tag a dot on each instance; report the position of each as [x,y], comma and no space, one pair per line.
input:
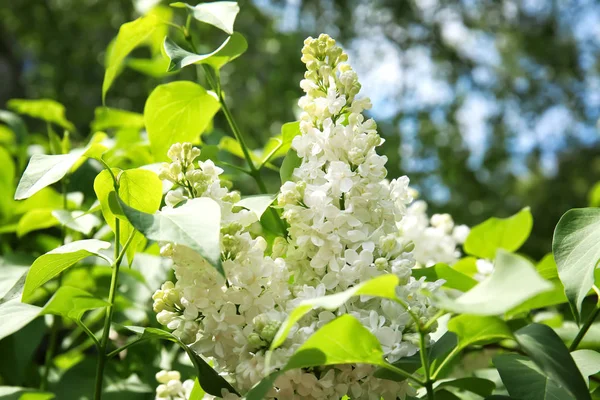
[487,105]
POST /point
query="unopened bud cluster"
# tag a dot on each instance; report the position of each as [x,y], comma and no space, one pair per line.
[170,386]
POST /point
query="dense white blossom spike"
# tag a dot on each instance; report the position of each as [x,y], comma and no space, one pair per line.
[345,226]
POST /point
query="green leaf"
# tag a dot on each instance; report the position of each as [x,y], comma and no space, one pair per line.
[72,303]
[79,221]
[341,341]
[576,250]
[106,118]
[54,262]
[258,204]
[15,123]
[138,188]
[467,266]
[290,163]
[36,219]
[7,186]
[130,36]
[15,315]
[513,281]
[177,112]
[480,386]
[44,170]
[232,146]
[525,381]
[44,109]
[594,196]
[382,286]
[454,279]
[220,14]
[588,362]
[551,355]
[209,379]
[197,392]
[233,47]
[155,67]
[11,275]
[200,233]
[499,233]
[21,393]
[472,330]
[278,146]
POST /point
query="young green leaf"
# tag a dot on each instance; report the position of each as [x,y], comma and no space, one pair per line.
[106,118]
[11,276]
[177,112]
[576,250]
[138,188]
[480,386]
[210,381]
[233,47]
[454,279]
[472,329]
[220,14]
[278,146]
[54,262]
[201,233]
[382,286]
[79,221]
[197,392]
[499,233]
[341,341]
[588,362]
[36,219]
[21,393]
[525,381]
[130,36]
[15,123]
[44,170]
[513,281]
[551,355]
[71,302]
[44,109]
[15,315]
[258,204]
[290,163]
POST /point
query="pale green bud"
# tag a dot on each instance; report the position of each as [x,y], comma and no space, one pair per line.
[381,263]
[255,341]
[270,330]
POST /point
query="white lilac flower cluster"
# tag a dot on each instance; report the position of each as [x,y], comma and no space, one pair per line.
[345,227]
[170,386]
[436,239]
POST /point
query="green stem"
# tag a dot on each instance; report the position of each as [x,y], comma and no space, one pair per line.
[253,171]
[51,350]
[89,333]
[584,328]
[446,361]
[124,347]
[403,373]
[425,363]
[109,314]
